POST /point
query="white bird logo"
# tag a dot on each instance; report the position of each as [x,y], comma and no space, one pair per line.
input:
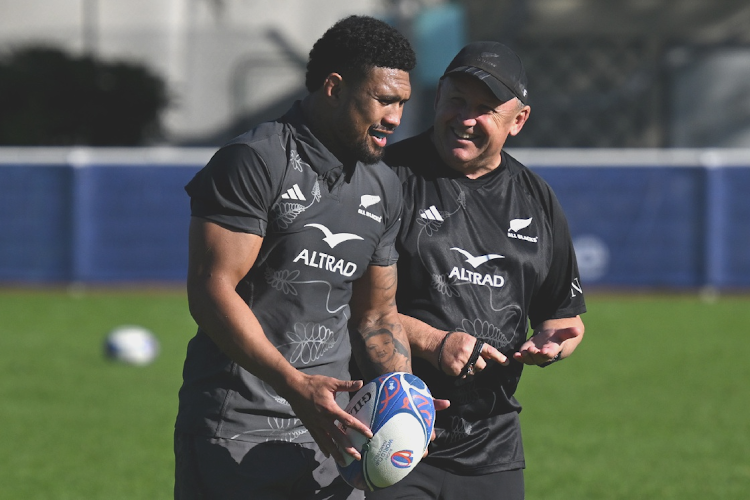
[334,239]
[476,261]
[368,199]
[518,224]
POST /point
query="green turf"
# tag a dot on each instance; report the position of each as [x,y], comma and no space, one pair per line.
[74,425]
[654,404]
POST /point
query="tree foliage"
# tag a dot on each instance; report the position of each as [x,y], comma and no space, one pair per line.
[50,98]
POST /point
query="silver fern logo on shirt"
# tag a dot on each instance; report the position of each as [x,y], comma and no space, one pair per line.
[473,277]
[517,225]
[366,201]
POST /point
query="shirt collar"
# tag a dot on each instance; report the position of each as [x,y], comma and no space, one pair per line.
[321,160]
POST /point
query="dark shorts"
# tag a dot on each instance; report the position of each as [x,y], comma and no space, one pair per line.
[428,482]
[222,469]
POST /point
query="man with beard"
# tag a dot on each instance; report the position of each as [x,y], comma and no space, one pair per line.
[292,238]
[484,253]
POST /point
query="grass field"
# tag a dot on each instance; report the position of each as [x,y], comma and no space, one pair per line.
[654,405]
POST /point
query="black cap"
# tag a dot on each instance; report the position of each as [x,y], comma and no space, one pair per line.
[496,65]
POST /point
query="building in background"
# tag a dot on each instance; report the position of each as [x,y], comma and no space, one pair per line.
[635,73]
[221,59]
[632,73]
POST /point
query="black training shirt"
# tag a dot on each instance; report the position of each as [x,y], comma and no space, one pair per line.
[482,256]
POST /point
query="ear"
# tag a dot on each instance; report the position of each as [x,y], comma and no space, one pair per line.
[332,87]
[520,120]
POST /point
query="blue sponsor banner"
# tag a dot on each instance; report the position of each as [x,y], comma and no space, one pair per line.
[95,216]
[131,223]
[729,228]
[642,219]
[634,227]
[35,223]
[654,218]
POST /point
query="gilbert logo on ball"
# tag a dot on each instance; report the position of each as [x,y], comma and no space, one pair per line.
[399,410]
[133,345]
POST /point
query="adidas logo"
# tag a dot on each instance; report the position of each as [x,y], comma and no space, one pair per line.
[293,193]
[431,214]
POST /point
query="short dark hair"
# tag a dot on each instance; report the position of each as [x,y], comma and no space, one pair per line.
[355,45]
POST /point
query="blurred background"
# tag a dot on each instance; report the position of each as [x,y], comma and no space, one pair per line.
[640,122]
[660,85]
[633,73]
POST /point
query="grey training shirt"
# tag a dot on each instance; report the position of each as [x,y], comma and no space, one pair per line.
[322,226]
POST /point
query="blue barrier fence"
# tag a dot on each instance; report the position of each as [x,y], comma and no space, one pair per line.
[99,216]
[655,218]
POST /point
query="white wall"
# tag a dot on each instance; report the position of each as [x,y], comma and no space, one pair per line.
[215,55]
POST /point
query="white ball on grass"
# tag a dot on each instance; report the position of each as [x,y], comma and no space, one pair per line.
[131,344]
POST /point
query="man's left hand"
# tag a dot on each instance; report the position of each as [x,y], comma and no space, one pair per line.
[544,346]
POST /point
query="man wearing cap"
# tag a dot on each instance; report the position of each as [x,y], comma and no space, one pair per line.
[484,252]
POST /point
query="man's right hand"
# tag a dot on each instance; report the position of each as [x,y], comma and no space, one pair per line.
[457,351]
[313,399]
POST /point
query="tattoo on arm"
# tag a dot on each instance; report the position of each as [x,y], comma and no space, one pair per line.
[379,342]
[384,353]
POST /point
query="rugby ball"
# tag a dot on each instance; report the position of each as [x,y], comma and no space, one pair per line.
[398,409]
[132,345]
